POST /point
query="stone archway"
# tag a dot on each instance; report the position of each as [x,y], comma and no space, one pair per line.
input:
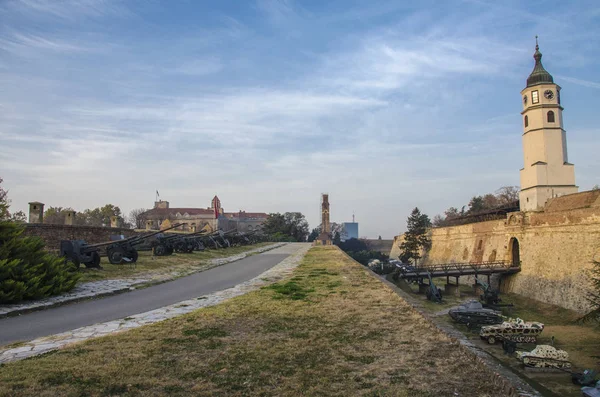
[515,252]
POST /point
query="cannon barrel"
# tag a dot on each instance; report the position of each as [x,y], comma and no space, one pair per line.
[135,239]
[129,239]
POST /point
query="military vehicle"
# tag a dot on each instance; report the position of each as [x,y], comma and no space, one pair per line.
[473,314]
[591,391]
[545,356]
[517,331]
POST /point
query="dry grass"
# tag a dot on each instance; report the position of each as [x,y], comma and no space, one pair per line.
[147,264]
[330,330]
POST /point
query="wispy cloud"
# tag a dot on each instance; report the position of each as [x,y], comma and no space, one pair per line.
[69,10]
[19,44]
[584,83]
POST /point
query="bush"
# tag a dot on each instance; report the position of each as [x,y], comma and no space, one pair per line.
[26,270]
[282,238]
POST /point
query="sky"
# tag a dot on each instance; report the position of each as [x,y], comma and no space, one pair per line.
[385,105]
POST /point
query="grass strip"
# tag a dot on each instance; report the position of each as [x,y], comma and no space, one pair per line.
[147,264]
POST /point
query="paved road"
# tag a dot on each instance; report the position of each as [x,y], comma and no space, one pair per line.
[65,318]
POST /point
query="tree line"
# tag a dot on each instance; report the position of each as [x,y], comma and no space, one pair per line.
[478,204]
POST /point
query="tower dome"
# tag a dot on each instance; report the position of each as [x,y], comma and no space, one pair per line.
[539,75]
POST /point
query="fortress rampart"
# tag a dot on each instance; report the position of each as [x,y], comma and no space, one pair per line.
[554,248]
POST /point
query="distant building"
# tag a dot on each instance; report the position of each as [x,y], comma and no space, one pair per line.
[351,230]
[210,218]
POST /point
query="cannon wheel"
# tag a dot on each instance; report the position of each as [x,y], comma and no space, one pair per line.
[115,256]
[159,250]
[95,262]
[491,340]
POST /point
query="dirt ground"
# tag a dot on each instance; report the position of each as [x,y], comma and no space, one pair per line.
[332,329]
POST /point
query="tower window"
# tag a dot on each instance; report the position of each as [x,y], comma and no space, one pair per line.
[526,121]
[535,97]
[551,116]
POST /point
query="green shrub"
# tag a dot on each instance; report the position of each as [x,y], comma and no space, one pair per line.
[27,271]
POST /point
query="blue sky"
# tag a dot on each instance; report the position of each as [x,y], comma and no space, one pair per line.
[385,105]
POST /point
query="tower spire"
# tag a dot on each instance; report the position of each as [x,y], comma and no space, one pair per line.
[539,75]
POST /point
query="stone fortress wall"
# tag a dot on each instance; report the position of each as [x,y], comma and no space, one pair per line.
[52,234]
[554,247]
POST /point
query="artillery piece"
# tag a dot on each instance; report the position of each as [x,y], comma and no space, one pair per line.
[517,331]
[78,252]
[490,296]
[165,245]
[433,293]
[474,315]
[122,250]
[118,251]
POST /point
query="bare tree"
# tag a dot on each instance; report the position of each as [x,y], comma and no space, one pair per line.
[507,194]
[138,217]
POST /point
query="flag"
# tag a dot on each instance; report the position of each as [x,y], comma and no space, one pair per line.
[157,195]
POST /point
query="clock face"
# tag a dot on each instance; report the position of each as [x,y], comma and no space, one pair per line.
[525,100]
[549,94]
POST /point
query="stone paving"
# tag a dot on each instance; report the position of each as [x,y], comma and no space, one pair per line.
[53,342]
[94,289]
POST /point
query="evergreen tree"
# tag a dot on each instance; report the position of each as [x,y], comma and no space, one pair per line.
[415,237]
[314,234]
[27,271]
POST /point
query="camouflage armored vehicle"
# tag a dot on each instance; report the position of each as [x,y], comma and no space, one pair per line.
[473,314]
[517,331]
[591,391]
[545,356]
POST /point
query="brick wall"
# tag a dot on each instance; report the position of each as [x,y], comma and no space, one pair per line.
[53,234]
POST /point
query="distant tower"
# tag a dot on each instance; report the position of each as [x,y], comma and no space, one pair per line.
[325,236]
[36,212]
[216,206]
[547,172]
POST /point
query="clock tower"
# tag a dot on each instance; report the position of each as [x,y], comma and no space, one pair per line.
[547,172]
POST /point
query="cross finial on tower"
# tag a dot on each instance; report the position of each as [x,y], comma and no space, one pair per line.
[537,47]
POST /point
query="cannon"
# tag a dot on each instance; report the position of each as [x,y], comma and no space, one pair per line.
[122,250]
[79,252]
[433,293]
[165,245]
[118,251]
[490,295]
